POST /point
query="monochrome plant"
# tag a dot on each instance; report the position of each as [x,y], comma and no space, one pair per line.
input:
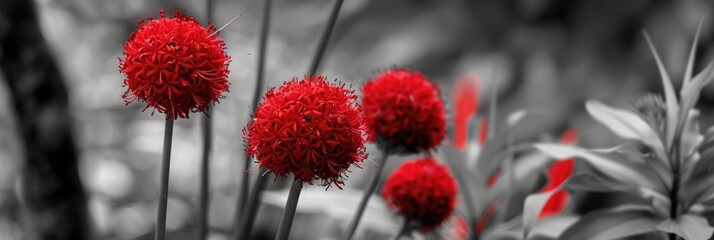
[666,166]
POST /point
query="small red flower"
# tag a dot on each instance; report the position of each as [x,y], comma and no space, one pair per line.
[555,205]
[558,173]
[309,128]
[403,109]
[423,191]
[466,100]
[174,65]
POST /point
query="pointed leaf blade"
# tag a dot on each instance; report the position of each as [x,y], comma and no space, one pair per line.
[552,227]
[688,226]
[669,94]
[532,207]
[613,167]
[692,54]
[609,224]
[628,125]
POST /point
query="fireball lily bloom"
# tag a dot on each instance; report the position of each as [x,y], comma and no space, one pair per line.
[175,66]
[404,113]
[310,129]
[423,191]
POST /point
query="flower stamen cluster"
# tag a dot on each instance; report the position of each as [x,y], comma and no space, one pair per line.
[310,128]
[423,191]
[174,65]
[405,110]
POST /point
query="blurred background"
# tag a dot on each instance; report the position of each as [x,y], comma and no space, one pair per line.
[546,56]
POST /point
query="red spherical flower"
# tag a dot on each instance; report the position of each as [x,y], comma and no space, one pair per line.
[174,65]
[423,190]
[404,110]
[309,128]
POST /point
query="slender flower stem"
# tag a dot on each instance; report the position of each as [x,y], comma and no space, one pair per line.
[240,214]
[324,39]
[164,191]
[352,226]
[402,230]
[248,218]
[290,207]
[247,208]
[209,10]
[207,127]
[674,193]
[510,176]
[242,197]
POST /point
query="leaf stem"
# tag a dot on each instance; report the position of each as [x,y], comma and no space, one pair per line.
[164,181]
[290,207]
[352,226]
[674,194]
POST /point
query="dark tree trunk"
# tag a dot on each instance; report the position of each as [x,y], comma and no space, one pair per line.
[52,193]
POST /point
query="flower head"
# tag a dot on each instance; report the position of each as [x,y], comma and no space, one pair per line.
[174,65]
[423,190]
[309,128]
[404,110]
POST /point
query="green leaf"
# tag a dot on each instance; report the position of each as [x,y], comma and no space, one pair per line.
[691,88]
[489,159]
[528,164]
[698,176]
[691,137]
[515,117]
[608,162]
[692,54]
[628,125]
[697,190]
[669,94]
[634,159]
[471,189]
[598,182]
[492,111]
[509,230]
[609,224]
[527,171]
[552,227]
[691,91]
[688,226]
[532,208]
[491,156]
[594,182]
